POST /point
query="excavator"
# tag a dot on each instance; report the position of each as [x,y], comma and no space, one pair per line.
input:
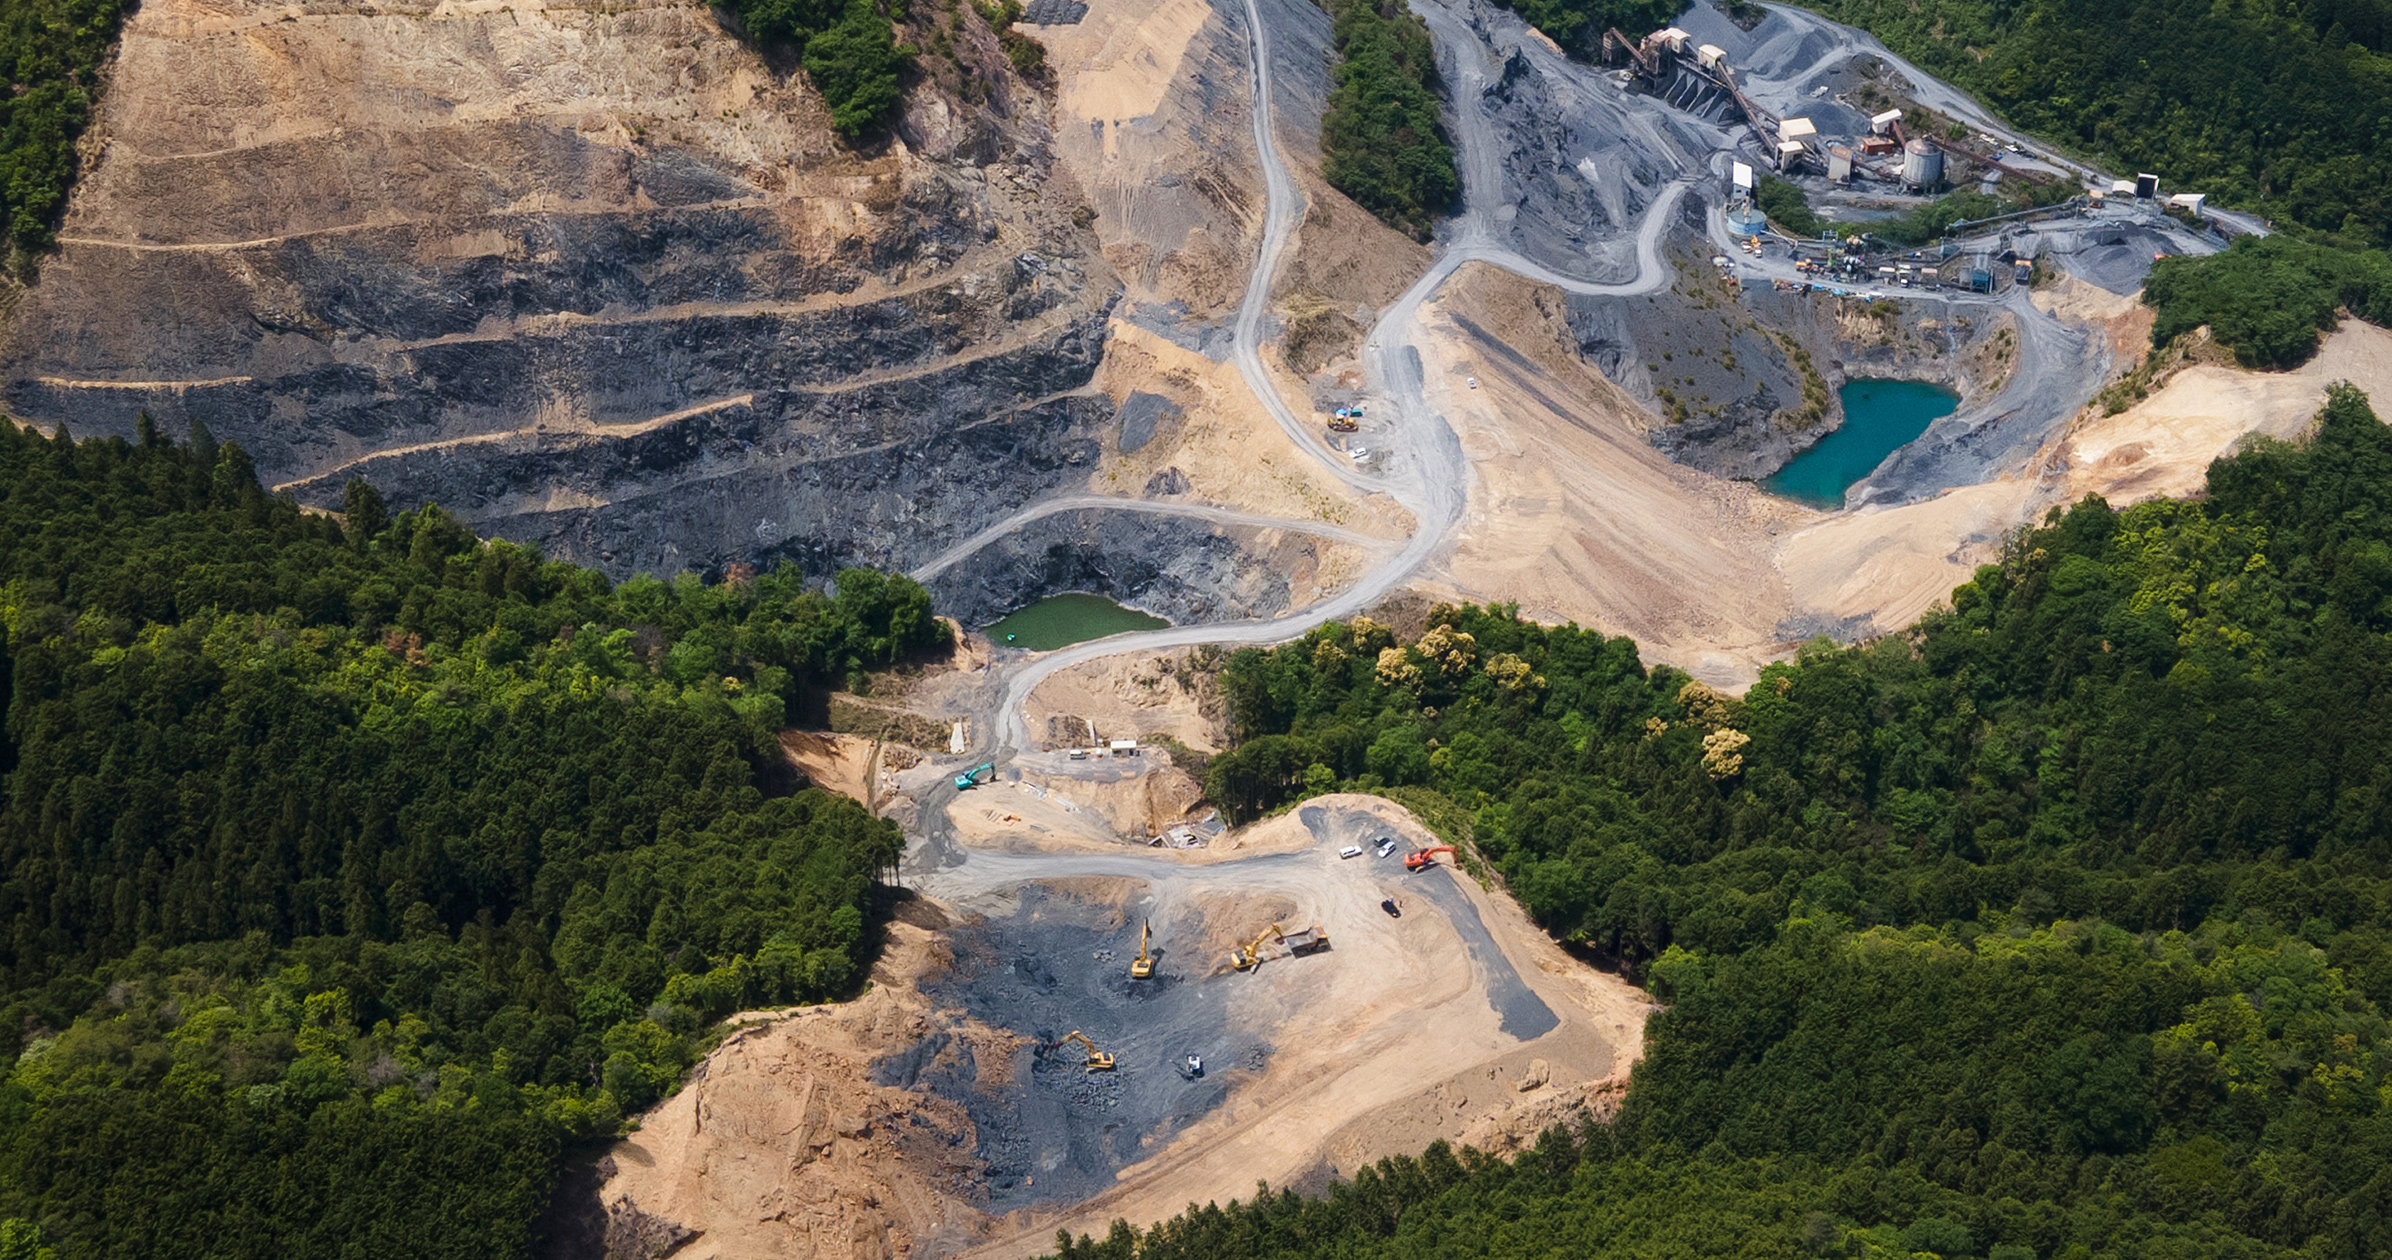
[1098,1060]
[1419,858]
[1142,967]
[1244,958]
[975,777]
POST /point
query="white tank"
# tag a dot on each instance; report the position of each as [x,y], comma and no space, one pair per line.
[1922,164]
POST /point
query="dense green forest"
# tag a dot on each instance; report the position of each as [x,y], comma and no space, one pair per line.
[2059,925]
[2278,105]
[850,52]
[50,57]
[356,869]
[2268,299]
[1381,141]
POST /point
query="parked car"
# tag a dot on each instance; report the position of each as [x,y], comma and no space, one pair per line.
[1386,845]
[1350,851]
[1389,906]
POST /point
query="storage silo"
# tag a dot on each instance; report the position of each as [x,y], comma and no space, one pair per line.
[1922,165]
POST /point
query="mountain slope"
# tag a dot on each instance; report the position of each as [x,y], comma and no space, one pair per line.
[595,276]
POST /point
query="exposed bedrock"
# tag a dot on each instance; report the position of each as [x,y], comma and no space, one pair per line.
[1182,569]
[596,278]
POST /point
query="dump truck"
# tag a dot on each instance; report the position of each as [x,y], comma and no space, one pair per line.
[1309,940]
[974,778]
[1098,1060]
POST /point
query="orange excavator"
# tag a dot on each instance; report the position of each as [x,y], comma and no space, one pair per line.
[1419,858]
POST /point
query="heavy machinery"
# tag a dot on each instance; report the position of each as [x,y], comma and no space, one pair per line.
[1419,858]
[1311,940]
[974,778]
[1343,422]
[1244,958]
[1142,967]
[1098,1060]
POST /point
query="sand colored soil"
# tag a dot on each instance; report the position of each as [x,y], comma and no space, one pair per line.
[1344,254]
[1222,449]
[781,1144]
[1174,190]
[1878,568]
[845,764]
[2163,445]
[1574,515]
[1134,696]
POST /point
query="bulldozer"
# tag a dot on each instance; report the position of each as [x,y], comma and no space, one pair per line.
[1244,957]
[1142,967]
[1098,1060]
[1419,858]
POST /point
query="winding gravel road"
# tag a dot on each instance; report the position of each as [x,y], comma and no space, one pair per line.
[1424,469]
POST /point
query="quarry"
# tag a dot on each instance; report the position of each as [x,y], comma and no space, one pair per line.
[597,278]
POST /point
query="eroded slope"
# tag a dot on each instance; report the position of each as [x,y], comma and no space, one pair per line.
[595,276]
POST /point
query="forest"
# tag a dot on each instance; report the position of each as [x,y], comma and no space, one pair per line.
[359,869]
[50,57]
[850,52]
[2054,926]
[1381,141]
[2268,299]
[2278,106]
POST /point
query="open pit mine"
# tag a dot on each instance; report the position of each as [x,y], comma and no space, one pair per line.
[600,278]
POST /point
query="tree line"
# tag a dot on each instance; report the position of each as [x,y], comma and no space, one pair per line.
[2268,299]
[1382,142]
[2057,925]
[50,57]
[848,47]
[359,868]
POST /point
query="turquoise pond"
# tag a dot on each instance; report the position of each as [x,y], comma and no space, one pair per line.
[1880,417]
[1062,620]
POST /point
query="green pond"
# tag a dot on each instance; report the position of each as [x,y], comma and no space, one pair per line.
[1062,620]
[1880,417]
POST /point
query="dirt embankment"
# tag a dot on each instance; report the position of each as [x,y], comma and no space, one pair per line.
[2163,445]
[1133,696]
[1574,514]
[785,1143]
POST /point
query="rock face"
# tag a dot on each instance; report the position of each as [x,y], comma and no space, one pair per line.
[596,277]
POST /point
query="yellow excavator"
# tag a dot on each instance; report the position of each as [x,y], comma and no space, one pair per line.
[1098,1060]
[1142,967]
[1245,957]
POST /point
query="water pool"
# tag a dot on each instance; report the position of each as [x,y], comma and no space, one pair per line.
[1880,417]
[1062,620]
